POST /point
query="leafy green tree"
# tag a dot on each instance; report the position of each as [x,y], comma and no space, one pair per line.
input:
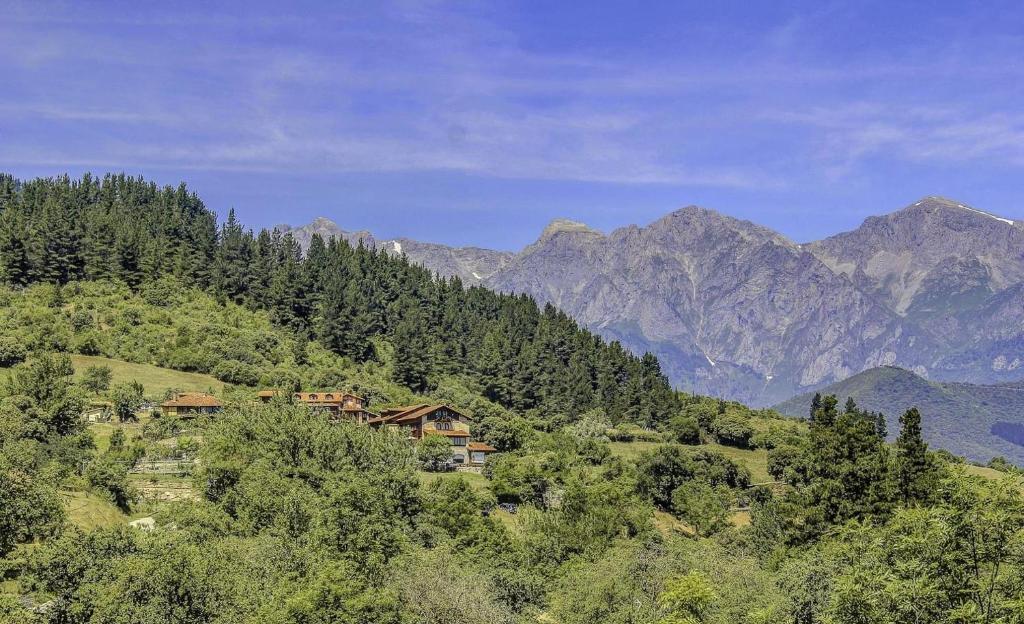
[110,476]
[685,429]
[525,479]
[702,506]
[43,389]
[503,433]
[29,507]
[11,351]
[434,451]
[127,399]
[687,599]
[733,429]
[96,379]
[336,595]
[661,471]
[468,597]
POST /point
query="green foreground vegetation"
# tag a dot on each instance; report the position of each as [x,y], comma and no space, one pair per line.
[611,498]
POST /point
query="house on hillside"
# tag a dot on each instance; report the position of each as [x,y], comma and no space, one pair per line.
[335,404]
[191,404]
[423,420]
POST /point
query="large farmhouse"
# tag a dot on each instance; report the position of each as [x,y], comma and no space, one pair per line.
[423,420]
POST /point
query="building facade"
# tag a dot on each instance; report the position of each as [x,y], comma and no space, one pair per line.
[423,420]
[335,404]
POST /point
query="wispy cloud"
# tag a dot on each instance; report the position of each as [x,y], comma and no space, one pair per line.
[431,86]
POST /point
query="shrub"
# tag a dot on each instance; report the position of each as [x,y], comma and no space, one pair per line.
[732,429]
[685,429]
[235,372]
[12,351]
[88,343]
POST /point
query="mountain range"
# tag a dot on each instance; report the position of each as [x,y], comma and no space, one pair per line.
[735,309]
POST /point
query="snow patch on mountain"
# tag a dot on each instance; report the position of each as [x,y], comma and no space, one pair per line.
[1007,221]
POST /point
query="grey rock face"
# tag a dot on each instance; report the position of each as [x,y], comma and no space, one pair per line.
[951,270]
[737,310]
[470,264]
[730,308]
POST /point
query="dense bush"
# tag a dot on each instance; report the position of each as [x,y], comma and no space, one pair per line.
[12,351]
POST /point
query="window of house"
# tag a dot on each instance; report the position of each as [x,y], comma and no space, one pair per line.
[313,397]
[443,426]
[458,441]
[459,458]
[329,397]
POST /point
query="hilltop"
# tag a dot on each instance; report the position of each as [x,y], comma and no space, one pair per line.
[965,419]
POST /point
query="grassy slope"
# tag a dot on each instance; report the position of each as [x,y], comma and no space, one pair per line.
[956,416]
[89,511]
[475,480]
[756,461]
[155,379]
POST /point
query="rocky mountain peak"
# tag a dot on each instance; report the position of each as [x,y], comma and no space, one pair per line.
[941,210]
[559,226]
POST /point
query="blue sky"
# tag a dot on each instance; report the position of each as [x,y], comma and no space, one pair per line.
[477,123]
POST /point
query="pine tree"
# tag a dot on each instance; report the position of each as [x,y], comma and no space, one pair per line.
[848,465]
[881,427]
[412,363]
[815,405]
[916,473]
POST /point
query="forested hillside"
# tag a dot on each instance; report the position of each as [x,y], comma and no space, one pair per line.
[58,231]
[610,498]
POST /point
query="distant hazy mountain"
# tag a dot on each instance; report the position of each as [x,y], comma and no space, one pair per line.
[977,421]
[471,264]
[327,229]
[735,309]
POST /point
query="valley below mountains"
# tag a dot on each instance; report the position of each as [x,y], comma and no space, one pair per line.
[737,310]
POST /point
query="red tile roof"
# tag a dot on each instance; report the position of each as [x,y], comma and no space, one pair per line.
[420,411]
[192,399]
[480,446]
